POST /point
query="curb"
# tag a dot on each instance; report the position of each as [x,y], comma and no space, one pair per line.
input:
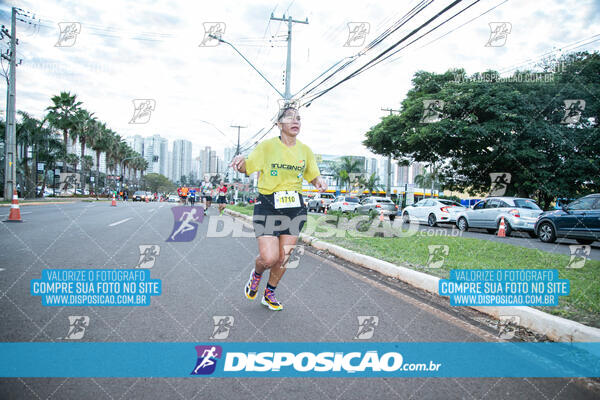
[555,328]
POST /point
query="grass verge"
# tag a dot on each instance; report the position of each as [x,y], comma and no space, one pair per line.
[581,305]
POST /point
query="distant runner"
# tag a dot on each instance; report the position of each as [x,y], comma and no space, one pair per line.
[222,197]
[192,196]
[284,163]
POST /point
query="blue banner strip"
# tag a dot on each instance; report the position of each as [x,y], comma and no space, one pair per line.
[306,359]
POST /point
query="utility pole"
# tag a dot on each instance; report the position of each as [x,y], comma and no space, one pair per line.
[237,150]
[10,155]
[287,96]
[389,161]
[288,65]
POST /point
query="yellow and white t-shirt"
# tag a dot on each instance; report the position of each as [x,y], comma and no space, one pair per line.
[282,167]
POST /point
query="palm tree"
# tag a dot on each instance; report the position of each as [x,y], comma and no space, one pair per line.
[101,143]
[72,159]
[85,124]
[372,183]
[348,166]
[87,162]
[27,132]
[61,114]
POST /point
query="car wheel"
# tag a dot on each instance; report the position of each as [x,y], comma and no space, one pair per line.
[392,217]
[507,228]
[585,241]
[406,218]
[431,221]
[462,224]
[546,232]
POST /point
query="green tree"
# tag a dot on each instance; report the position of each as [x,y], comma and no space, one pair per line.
[61,114]
[493,125]
[347,166]
[159,183]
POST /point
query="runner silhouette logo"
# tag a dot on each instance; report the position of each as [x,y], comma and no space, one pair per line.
[185,223]
[207,359]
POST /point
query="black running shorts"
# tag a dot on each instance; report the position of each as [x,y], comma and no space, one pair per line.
[222,200]
[271,221]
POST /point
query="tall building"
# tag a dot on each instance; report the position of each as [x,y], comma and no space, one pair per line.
[182,159]
[170,166]
[205,156]
[417,169]
[213,162]
[197,167]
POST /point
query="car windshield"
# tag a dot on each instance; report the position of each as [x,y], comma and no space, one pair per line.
[386,201]
[525,203]
[138,193]
[327,196]
[351,199]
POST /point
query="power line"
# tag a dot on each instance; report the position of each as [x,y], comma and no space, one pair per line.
[389,31]
[382,54]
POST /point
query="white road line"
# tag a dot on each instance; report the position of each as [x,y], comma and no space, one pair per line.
[2,269]
[120,222]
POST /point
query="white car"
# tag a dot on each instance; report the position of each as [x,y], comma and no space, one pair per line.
[173,198]
[433,211]
[344,204]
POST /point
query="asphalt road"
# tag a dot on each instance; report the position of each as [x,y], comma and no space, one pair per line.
[561,246]
[204,278]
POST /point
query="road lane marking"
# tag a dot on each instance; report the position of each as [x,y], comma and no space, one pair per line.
[120,222]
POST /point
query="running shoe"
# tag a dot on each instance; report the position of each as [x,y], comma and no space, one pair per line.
[270,301]
[252,286]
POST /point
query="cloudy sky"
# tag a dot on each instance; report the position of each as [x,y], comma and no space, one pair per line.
[128,50]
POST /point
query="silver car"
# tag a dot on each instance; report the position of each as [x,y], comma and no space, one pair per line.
[519,214]
[344,204]
[320,202]
[375,205]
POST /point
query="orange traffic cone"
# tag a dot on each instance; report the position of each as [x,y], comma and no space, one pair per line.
[114,201]
[147,200]
[502,229]
[324,211]
[15,211]
[381,216]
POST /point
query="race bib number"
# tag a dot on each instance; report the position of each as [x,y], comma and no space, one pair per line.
[286,199]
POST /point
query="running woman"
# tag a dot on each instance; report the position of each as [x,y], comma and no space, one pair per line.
[222,197]
[283,163]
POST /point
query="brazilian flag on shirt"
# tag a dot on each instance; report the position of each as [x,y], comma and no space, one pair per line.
[282,167]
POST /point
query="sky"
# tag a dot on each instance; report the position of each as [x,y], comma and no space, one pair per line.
[125,51]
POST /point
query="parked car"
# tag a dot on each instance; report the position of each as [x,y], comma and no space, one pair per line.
[173,198]
[307,198]
[375,205]
[139,196]
[433,211]
[519,214]
[320,202]
[344,204]
[580,220]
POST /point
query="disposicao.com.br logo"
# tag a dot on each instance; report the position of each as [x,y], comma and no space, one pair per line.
[302,363]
